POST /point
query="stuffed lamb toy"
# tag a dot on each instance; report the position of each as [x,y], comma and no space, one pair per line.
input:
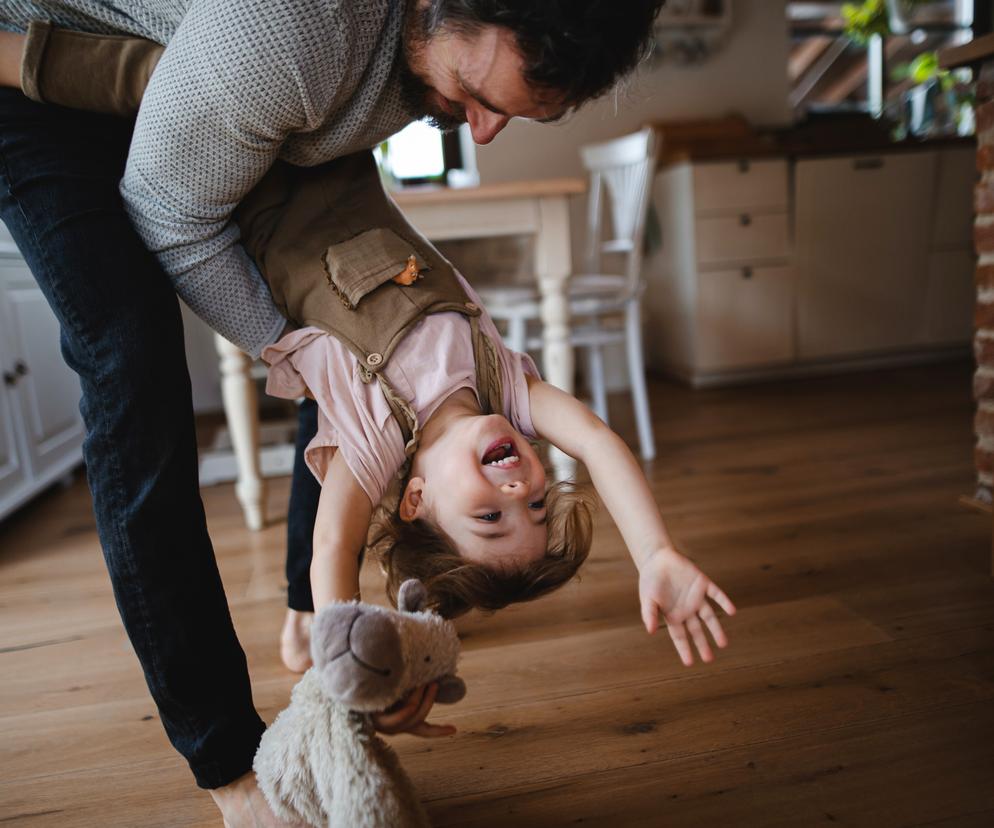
[320,763]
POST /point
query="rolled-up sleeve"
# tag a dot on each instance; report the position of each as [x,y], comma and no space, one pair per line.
[222,101]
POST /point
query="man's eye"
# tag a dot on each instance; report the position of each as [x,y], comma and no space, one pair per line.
[490,517]
[537,505]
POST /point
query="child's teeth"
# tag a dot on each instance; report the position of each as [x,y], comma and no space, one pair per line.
[504,462]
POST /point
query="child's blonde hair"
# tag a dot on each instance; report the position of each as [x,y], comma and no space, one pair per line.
[418,549]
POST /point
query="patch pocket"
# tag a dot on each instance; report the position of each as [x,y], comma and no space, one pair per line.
[360,265]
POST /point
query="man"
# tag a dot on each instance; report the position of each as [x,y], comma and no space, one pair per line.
[115,217]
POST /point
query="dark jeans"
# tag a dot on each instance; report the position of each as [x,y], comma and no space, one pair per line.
[121,332]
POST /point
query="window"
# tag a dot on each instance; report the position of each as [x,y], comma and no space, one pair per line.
[420,154]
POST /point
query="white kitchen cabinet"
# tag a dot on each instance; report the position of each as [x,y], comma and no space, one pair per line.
[780,267]
[863,235]
[719,294]
[750,310]
[42,432]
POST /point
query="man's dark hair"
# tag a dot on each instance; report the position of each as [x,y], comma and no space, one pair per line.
[575,49]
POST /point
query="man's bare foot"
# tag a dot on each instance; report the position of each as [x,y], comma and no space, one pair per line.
[295,640]
[243,805]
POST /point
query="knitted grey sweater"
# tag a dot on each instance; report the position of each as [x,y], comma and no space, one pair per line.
[240,84]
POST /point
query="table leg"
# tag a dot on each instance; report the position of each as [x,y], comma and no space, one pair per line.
[553,264]
[241,409]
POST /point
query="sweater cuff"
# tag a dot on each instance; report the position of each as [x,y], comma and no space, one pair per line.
[34,51]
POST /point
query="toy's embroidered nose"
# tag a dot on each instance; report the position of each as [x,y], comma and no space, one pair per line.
[409,274]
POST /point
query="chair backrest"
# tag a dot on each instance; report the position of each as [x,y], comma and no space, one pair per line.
[622,170]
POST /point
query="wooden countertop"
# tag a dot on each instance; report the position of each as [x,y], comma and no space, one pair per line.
[826,136]
[432,194]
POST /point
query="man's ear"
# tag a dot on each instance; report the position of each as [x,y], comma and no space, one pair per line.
[410,500]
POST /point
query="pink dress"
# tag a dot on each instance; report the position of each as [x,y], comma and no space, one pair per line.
[432,362]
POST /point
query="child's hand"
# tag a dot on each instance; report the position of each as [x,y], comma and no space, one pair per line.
[670,583]
[411,717]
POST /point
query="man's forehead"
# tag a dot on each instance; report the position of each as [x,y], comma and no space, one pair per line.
[492,72]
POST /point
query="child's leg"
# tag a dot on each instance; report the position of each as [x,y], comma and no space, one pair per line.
[305,492]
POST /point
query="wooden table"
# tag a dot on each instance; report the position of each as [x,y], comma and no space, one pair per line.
[535,208]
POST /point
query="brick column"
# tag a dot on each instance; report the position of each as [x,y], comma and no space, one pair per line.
[983,234]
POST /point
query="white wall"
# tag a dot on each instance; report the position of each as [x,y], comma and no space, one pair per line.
[748,75]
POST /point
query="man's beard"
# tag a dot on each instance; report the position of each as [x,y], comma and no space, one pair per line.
[414,92]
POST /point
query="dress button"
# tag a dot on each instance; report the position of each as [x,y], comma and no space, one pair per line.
[374,359]
[472,306]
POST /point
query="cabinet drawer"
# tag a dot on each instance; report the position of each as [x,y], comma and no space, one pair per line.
[745,317]
[741,237]
[736,185]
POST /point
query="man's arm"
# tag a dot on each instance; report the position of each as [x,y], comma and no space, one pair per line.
[340,528]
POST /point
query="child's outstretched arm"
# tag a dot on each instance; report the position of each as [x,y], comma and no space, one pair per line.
[668,582]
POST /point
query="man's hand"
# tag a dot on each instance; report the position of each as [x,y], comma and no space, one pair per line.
[410,718]
[670,583]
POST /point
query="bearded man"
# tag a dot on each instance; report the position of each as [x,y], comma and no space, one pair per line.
[116,216]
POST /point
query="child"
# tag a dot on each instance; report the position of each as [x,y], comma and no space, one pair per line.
[411,379]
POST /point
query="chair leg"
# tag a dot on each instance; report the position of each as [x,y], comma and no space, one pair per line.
[595,378]
[636,373]
[516,330]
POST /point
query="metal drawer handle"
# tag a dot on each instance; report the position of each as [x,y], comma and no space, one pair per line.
[867,163]
[745,220]
[746,272]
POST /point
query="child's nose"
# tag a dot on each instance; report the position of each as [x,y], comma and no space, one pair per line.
[516,488]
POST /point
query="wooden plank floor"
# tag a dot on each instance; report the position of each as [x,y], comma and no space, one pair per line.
[858,687]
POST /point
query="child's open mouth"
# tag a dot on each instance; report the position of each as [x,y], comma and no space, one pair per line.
[501,455]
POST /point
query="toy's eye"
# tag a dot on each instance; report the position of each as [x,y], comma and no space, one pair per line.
[427,658]
[537,505]
[490,517]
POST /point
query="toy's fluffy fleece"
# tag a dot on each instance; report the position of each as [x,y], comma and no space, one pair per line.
[327,764]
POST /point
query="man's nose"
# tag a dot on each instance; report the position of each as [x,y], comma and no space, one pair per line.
[484,124]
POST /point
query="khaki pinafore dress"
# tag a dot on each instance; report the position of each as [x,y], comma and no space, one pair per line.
[329,241]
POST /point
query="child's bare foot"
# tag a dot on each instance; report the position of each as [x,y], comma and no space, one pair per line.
[243,805]
[295,640]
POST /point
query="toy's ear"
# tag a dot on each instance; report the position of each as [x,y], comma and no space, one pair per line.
[412,596]
[450,689]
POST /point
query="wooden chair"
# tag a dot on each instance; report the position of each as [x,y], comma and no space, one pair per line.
[605,307]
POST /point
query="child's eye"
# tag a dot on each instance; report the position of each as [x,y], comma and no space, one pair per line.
[490,517]
[537,505]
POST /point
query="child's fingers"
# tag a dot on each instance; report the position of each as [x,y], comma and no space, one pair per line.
[700,639]
[650,615]
[720,598]
[396,719]
[713,624]
[432,731]
[679,636]
[427,700]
